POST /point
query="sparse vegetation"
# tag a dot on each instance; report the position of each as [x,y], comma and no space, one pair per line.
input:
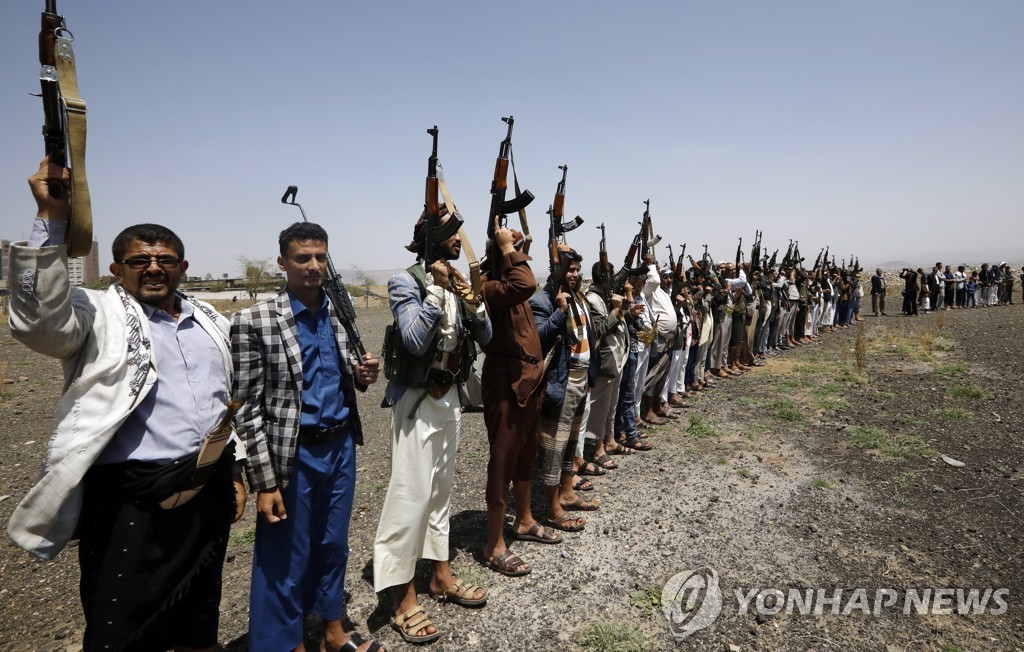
[743,473]
[609,636]
[647,599]
[821,483]
[966,391]
[243,538]
[699,428]
[952,414]
[887,444]
[949,369]
[785,410]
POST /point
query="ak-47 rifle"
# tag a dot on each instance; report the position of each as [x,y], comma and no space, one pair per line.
[64,125]
[816,271]
[647,238]
[558,229]
[739,259]
[771,261]
[679,261]
[797,258]
[755,252]
[557,261]
[787,260]
[438,232]
[604,276]
[335,289]
[500,207]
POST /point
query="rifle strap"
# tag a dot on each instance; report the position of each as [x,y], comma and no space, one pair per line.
[476,283]
[527,238]
[79,230]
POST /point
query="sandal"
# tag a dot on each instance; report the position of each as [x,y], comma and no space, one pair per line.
[568,523]
[350,646]
[589,468]
[411,622]
[584,485]
[636,444]
[508,563]
[461,593]
[606,462]
[581,505]
[538,534]
[619,450]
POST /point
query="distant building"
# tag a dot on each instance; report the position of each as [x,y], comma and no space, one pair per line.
[85,269]
[5,252]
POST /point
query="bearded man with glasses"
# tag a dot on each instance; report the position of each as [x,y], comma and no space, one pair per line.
[130,470]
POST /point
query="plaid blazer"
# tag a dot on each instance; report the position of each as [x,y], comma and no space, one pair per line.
[268,377]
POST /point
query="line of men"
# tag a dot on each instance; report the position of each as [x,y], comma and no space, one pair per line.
[943,289]
[134,472]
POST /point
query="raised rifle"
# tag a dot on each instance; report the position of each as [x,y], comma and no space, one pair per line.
[501,207]
[647,238]
[64,125]
[335,289]
[739,259]
[436,232]
[771,262]
[558,228]
[787,260]
[755,253]
[797,258]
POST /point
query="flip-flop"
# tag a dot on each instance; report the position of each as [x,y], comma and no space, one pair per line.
[584,485]
[590,468]
[563,523]
[539,534]
[581,505]
[606,462]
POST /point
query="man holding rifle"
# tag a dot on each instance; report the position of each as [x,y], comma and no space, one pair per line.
[131,469]
[428,356]
[297,370]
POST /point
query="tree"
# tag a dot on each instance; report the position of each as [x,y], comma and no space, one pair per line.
[365,281]
[256,272]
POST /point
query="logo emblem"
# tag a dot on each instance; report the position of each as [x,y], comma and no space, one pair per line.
[691,601]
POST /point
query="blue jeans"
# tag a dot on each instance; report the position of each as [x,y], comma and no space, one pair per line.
[625,412]
[298,564]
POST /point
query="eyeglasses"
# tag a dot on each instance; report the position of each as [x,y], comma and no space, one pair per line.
[143,262]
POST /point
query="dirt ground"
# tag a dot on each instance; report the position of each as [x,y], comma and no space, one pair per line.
[821,470]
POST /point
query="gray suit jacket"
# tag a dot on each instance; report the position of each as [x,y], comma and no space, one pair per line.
[268,377]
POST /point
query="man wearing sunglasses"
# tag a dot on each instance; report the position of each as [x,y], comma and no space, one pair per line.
[130,470]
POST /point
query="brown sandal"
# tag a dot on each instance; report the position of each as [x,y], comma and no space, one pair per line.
[462,594]
[508,563]
[412,621]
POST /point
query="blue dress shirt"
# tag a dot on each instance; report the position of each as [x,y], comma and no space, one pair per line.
[323,403]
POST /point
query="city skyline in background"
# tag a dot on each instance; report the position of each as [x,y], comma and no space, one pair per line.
[889,131]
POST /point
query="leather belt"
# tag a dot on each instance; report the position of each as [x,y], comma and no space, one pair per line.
[312,435]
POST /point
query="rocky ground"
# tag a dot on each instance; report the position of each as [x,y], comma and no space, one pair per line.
[822,470]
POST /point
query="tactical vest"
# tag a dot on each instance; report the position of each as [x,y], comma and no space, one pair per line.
[412,371]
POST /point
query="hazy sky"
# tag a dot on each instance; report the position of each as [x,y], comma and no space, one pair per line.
[885,128]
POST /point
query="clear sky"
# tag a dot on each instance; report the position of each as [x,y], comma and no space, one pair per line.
[884,128]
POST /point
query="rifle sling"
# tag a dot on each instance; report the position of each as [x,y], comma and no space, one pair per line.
[474,265]
[79,230]
[527,238]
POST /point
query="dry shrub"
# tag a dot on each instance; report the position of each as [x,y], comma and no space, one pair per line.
[940,320]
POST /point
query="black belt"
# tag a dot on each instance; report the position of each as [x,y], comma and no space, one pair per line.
[312,435]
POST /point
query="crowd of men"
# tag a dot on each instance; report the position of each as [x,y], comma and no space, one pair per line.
[942,288]
[141,470]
